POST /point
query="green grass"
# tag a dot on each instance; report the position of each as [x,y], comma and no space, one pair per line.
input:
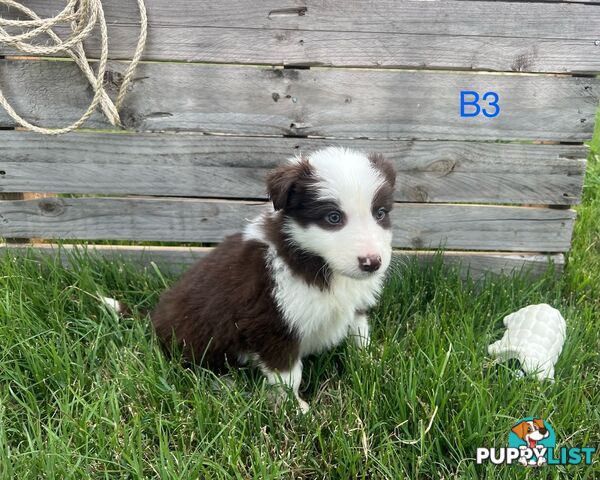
[84,394]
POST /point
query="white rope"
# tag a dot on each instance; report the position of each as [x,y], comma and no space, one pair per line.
[83,16]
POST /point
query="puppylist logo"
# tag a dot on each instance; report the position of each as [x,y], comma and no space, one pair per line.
[532,442]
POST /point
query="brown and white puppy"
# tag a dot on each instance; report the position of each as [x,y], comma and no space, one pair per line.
[298,280]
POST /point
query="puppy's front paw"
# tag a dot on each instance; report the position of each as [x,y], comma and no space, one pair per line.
[279,398]
[303,406]
[359,332]
[361,341]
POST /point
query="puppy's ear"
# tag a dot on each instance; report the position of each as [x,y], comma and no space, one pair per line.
[520,429]
[387,168]
[286,180]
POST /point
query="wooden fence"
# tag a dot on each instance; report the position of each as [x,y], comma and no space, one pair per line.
[229,89]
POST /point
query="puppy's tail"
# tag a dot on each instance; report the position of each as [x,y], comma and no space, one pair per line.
[113,304]
[121,308]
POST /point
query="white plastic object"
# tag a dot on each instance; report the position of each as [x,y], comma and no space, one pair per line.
[535,336]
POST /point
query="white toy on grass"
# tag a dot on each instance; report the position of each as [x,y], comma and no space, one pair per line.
[535,336]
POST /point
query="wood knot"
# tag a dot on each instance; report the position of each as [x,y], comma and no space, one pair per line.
[112,81]
[113,78]
[131,120]
[51,207]
[417,242]
[443,167]
[290,74]
[418,193]
[525,62]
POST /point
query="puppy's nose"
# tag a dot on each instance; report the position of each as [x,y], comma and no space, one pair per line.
[543,430]
[370,263]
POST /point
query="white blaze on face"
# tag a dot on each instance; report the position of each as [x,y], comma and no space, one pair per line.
[350,180]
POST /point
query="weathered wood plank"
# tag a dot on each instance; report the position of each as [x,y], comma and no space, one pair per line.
[528,37]
[317,102]
[176,259]
[443,17]
[477,265]
[198,165]
[435,17]
[461,227]
[354,49]
[20,195]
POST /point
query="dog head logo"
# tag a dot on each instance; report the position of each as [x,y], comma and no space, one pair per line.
[531,431]
[532,436]
[532,443]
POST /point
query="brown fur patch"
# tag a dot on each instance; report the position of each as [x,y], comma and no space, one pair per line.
[384,197]
[287,183]
[292,189]
[311,268]
[385,166]
[222,308]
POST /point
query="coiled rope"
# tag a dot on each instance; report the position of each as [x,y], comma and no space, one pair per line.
[83,16]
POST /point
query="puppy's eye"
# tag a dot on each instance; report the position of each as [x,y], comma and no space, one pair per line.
[334,217]
[381,213]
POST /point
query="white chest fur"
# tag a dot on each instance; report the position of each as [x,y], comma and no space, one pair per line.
[321,318]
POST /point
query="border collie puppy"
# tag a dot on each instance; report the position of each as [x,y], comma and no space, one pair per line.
[298,280]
